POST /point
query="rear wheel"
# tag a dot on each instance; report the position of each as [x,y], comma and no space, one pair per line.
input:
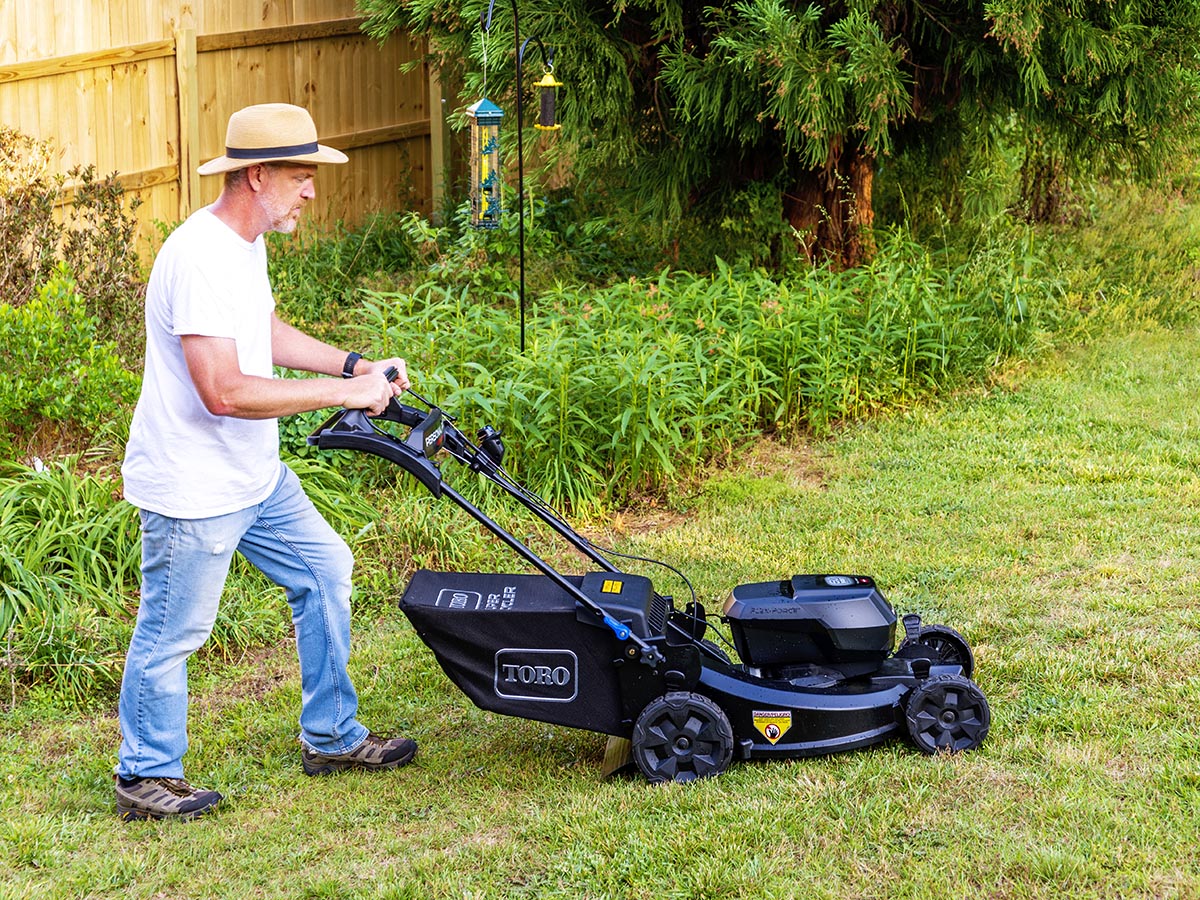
[943,645]
[947,713]
[715,650]
[682,736]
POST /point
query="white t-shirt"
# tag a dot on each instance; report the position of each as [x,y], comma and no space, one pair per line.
[182,461]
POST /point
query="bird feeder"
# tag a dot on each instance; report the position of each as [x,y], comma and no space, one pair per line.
[486,181]
[548,93]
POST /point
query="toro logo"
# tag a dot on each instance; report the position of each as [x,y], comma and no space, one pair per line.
[551,676]
[433,440]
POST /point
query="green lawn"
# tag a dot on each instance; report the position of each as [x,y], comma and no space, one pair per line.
[1056,524]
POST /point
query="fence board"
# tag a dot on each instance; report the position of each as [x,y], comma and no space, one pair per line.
[85,62]
[144,88]
[8,32]
[188,99]
[280,34]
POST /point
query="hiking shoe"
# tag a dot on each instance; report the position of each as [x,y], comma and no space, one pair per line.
[158,798]
[373,753]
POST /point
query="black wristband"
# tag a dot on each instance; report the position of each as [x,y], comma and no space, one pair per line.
[349,364]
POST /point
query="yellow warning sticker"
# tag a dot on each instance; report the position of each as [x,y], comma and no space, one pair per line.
[773,723]
[611,586]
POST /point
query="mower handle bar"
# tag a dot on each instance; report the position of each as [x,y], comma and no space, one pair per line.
[354,429]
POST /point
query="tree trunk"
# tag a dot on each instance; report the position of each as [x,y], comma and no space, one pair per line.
[1046,194]
[831,210]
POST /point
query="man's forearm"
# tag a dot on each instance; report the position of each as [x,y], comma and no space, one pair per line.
[227,391]
[251,397]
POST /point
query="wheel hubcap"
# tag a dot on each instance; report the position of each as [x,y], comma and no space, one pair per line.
[948,715]
[682,738]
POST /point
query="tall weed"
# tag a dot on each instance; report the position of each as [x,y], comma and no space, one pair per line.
[623,389]
[1137,261]
[313,274]
[69,559]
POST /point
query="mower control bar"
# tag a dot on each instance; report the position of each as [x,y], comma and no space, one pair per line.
[351,429]
[647,652]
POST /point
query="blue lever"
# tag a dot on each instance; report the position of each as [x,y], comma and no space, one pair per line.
[621,631]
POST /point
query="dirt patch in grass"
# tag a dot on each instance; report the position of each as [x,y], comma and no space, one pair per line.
[798,465]
[254,675]
[639,520]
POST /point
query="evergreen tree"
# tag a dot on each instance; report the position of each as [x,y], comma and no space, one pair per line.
[685,104]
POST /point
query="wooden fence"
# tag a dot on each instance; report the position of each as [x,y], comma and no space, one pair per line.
[144,88]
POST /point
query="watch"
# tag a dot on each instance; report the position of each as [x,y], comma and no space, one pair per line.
[349,364]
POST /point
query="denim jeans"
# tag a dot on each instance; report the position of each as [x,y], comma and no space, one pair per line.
[184,565]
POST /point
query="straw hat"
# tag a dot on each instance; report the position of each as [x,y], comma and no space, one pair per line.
[270,132]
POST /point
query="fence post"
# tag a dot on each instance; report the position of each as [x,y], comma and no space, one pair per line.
[189,119]
[439,143]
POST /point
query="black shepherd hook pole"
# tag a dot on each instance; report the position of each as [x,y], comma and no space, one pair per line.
[485,20]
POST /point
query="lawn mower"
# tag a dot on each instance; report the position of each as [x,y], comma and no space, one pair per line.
[816,672]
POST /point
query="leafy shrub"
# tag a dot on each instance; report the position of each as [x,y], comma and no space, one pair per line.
[92,234]
[54,367]
[28,233]
[566,241]
[99,250]
[487,260]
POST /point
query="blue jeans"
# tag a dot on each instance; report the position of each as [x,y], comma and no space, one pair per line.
[184,565]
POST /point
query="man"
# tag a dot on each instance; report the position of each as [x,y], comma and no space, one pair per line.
[202,466]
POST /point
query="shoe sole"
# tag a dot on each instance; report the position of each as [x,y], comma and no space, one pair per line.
[134,814]
[332,767]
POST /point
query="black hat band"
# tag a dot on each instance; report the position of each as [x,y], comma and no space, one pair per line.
[271,152]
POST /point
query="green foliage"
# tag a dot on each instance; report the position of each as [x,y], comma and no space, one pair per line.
[671,105]
[92,235]
[485,260]
[53,365]
[1098,89]
[1136,263]
[69,569]
[787,69]
[312,275]
[623,390]
[98,249]
[28,233]
[566,241]
[70,555]
[337,499]
[945,191]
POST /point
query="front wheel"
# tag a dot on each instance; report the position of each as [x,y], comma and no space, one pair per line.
[947,713]
[682,736]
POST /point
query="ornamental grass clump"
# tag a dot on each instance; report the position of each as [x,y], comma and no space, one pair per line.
[70,556]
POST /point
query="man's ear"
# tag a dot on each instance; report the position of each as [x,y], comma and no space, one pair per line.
[255,175]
